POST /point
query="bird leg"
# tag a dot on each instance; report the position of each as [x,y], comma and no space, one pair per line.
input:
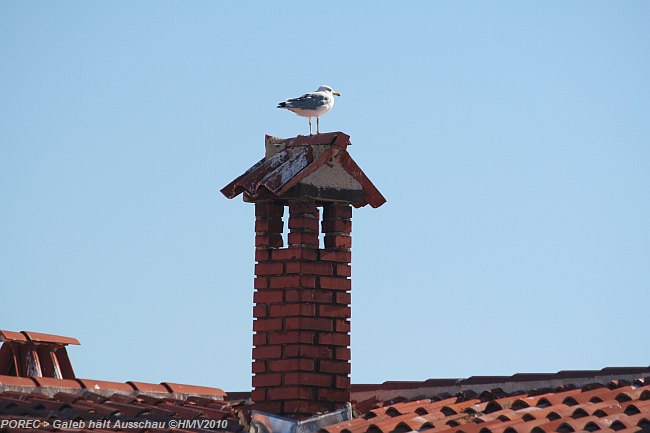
[310,126]
[317,125]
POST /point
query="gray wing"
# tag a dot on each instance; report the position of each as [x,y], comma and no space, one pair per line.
[308,101]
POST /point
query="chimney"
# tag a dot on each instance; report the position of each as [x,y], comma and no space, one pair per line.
[301,354]
[32,354]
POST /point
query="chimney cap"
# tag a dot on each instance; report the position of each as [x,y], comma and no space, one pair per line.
[316,167]
[35,337]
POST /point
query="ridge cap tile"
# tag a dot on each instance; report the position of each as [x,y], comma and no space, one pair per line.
[96,385]
[193,389]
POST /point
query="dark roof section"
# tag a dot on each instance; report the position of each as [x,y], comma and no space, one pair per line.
[516,382]
[316,166]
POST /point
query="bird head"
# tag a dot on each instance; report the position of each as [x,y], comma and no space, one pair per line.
[329,90]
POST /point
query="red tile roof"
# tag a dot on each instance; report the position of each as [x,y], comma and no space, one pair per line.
[543,403]
[617,406]
[85,405]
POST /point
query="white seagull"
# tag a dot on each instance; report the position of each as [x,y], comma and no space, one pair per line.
[313,104]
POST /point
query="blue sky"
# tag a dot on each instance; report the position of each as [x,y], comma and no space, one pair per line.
[510,139]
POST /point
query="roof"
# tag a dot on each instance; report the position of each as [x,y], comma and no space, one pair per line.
[519,382]
[37,383]
[316,166]
[561,402]
[619,405]
[86,405]
[614,398]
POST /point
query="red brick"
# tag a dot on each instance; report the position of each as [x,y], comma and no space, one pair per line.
[258,395]
[303,207]
[343,298]
[308,324]
[291,392]
[268,209]
[284,282]
[343,270]
[315,268]
[291,337]
[263,226]
[292,282]
[267,352]
[335,256]
[270,241]
[259,339]
[294,364]
[337,226]
[301,238]
[338,241]
[293,267]
[334,338]
[342,325]
[308,351]
[342,353]
[286,310]
[335,283]
[313,379]
[308,295]
[259,311]
[264,380]
[308,224]
[261,283]
[269,268]
[342,382]
[259,366]
[306,407]
[294,253]
[336,395]
[267,325]
[266,297]
[262,255]
[269,406]
[338,311]
[338,367]
[333,211]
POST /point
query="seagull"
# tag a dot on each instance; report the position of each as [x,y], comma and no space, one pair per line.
[313,104]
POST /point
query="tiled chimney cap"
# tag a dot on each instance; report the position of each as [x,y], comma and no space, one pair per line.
[316,167]
[36,337]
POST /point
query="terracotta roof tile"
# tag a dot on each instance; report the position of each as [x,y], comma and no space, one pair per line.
[16,381]
[49,338]
[56,383]
[11,336]
[192,389]
[98,385]
[148,387]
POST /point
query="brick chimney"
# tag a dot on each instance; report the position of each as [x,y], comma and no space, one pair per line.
[301,358]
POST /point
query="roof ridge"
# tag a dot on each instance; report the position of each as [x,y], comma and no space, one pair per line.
[48,385]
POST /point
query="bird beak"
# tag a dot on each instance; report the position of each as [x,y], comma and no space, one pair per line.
[336,93]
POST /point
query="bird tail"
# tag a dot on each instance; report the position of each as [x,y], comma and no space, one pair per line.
[282,105]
